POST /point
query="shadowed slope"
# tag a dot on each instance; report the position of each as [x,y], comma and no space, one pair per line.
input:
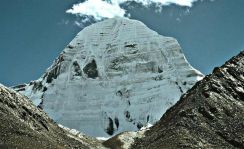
[210,115]
[22,125]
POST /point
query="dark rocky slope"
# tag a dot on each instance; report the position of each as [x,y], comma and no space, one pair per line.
[22,125]
[210,115]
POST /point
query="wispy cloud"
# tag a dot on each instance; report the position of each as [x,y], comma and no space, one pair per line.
[99,9]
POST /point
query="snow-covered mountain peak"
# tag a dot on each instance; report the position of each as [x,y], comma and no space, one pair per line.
[116,75]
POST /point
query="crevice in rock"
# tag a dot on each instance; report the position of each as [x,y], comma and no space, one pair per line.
[148,118]
[160,70]
[230,141]
[55,70]
[110,127]
[127,114]
[37,86]
[116,121]
[130,45]
[205,113]
[179,87]
[91,70]
[53,74]
[77,68]
[139,125]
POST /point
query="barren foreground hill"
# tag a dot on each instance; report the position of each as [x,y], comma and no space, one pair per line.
[210,115]
[23,126]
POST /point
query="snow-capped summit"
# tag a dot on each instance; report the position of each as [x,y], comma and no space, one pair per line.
[116,75]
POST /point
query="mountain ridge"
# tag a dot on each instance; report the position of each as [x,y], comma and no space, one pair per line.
[23,125]
[209,115]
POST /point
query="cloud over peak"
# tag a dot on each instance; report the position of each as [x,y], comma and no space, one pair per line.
[100,9]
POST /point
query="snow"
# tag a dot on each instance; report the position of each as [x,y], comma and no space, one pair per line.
[140,75]
[128,138]
[102,138]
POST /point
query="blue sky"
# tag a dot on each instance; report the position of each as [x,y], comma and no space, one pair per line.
[33,33]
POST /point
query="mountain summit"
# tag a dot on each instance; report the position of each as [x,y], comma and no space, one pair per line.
[116,75]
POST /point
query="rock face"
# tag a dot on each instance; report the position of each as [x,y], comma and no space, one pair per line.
[23,125]
[116,75]
[210,115]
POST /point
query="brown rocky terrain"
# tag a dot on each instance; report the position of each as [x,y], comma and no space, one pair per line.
[24,126]
[210,115]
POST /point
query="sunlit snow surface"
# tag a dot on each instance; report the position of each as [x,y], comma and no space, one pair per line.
[115,76]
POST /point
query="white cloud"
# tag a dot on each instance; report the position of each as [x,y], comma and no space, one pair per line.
[100,9]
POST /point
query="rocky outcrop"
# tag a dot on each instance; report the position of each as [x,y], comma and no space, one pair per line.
[210,115]
[116,75]
[24,126]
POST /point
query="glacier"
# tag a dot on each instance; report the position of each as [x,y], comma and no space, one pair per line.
[114,76]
